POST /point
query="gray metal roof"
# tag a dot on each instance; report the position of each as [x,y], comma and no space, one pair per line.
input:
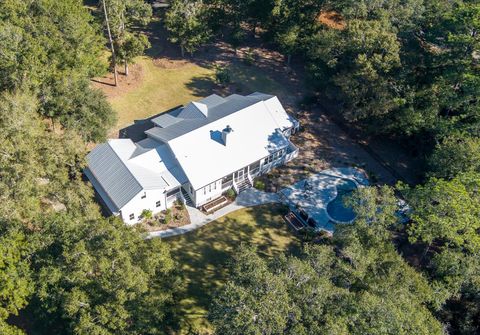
[165,120]
[217,108]
[212,100]
[194,110]
[111,173]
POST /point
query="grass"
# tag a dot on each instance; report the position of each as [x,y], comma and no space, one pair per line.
[159,90]
[251,78]
[203,255]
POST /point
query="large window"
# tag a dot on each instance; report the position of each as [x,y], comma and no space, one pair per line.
[158,204]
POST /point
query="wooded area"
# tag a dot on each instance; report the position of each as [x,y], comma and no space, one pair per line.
[408,70]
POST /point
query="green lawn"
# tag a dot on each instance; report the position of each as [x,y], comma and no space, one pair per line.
[164,88]
[202,255]
[160,90]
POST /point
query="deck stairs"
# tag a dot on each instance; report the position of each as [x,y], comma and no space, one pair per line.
[243,185]
[188,200]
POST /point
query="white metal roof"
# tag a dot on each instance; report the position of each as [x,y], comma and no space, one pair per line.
[257,132]
[191,147]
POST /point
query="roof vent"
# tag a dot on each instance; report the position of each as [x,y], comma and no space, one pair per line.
[225,133]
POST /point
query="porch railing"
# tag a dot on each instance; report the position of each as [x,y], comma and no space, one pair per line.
[235,187]
[227,184]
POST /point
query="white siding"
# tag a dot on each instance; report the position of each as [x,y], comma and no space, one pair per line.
[208,193]
[138,204]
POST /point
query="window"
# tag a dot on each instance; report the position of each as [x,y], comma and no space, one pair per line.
[191,190]
[144,195]
[158,203]
[205,190]
[132,216]
[269,159]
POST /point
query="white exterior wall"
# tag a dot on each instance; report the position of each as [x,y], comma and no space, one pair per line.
[137,205]
[208,193]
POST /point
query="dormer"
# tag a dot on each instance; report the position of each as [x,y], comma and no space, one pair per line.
[194,110]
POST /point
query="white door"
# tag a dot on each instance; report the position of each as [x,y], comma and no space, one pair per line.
[239,175]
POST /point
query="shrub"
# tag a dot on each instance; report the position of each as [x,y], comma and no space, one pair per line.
[168,216]
[259,185]
[147,214]
[179,204]
[222,75]
[249,58]
[230,194]
[237,37]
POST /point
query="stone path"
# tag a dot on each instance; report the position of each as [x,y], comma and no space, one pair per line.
[248,198]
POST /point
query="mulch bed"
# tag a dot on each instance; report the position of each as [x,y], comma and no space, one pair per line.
[179,217]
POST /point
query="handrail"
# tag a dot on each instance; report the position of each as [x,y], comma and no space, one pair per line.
[250,180]
[235,187]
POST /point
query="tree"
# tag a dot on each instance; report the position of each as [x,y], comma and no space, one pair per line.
[131,46]
[15,278]
[292,23]
[446,212]
[122,20]
[110,39]
[77,106]
[52,48]
[357,285]
[288,42]
[100,277]
[256,302]
[187,24]
[454,155]
[361,61]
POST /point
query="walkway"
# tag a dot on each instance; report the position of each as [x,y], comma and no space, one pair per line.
[248,198]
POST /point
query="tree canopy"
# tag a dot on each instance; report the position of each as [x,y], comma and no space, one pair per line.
[357,285]
[53,48]
[186,22]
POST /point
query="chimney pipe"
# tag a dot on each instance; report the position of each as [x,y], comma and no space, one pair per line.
[225,133]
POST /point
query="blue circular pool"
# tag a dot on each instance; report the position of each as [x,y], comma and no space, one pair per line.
[336,208]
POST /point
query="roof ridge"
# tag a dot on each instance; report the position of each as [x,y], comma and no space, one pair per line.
[125,165]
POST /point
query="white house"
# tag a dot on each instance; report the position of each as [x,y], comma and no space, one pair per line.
[194,154]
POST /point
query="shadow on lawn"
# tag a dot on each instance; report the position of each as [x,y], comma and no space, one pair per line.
[136,131]
[203,86]
[204,254]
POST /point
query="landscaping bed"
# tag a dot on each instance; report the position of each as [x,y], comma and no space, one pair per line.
[174,217]
[215,205]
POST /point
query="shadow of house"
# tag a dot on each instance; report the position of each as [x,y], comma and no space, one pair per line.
[136,131]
